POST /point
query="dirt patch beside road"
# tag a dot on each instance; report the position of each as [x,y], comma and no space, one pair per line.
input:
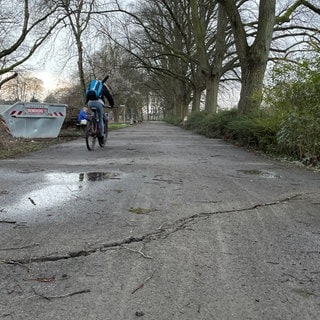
[11,147]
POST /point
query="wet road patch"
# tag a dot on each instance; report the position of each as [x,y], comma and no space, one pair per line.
[264,174]
[98,176]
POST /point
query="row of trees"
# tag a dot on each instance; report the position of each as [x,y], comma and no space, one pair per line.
[176,49]
[200,45]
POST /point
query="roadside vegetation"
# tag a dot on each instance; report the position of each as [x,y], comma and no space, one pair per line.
[288,122]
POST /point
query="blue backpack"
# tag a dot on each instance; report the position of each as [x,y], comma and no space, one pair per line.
[94,90]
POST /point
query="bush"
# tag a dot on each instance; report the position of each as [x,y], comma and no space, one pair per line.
[299,135]
[296,104]
[217,126]
[210,125]
[256,129]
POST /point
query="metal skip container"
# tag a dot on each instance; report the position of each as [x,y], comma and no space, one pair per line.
[33,119]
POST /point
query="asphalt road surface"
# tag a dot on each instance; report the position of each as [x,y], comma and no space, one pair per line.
[161,224]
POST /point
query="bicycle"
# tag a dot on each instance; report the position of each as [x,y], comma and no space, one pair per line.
[93,130]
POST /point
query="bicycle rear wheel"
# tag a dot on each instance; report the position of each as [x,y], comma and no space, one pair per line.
[90,136]
[103,143]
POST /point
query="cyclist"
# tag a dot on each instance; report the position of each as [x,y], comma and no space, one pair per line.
[99,106]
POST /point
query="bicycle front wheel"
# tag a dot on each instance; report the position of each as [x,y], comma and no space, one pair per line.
[90,137]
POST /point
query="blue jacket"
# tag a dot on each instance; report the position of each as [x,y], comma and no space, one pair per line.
[82,116]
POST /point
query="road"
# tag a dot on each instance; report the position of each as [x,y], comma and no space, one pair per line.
[161,224]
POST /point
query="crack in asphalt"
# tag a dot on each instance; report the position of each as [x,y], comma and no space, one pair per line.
[162,232]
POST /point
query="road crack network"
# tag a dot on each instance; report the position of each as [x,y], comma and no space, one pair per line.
[160,233]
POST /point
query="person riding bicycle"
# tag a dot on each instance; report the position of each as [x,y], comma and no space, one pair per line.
[99,105]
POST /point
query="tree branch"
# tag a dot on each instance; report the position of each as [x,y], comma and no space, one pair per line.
[2,82]
[311,6]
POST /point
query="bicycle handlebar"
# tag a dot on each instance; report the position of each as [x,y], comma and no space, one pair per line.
[105,79]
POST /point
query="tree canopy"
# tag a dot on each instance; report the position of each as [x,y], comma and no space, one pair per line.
[184,52]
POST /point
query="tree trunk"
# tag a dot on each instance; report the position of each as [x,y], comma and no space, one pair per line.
[212,87]
[251,85]
[80,68]
[178,109]
[213,81]
[196,100]
[253,59]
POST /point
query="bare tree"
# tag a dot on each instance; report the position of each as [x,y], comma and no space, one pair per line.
[158,44]
[253,41]
[23,29]
[78,15]
[23,88]
[253,56]
[175,40]
[210,41]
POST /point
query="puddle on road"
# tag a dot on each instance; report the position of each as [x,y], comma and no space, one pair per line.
[54,190]
[98,176]
[264,174]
